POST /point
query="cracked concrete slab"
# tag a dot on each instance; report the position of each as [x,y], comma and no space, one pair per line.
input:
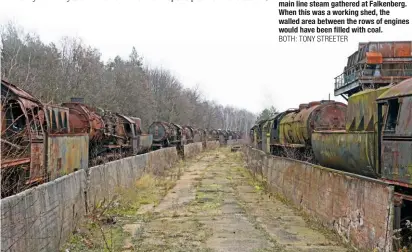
[215,206]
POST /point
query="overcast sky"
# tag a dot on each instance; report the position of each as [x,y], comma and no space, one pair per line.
[229,48]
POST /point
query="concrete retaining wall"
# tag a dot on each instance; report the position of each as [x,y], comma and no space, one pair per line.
[236,141]
[161,160]
[359,209]
[212,145]
[106,179]
[42,218]
[193,149]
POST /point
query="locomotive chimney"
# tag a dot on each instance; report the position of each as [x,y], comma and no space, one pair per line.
[77,99]
[326,101]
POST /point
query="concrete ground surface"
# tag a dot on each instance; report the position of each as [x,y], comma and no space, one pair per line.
[216,205]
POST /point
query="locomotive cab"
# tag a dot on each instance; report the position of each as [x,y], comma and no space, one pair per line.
[22,139]
[144,141]
[395,148]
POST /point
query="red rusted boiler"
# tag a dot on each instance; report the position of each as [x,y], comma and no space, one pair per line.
[84,119]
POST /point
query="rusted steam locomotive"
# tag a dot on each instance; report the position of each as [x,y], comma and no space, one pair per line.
[42,142]
[373,138]
[166,134]
[111,135]
[213,135]
[189,133]
[223,135]
[37,144]
[289,133]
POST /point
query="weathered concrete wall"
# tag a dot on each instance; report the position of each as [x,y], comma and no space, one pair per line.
[193,149]
[359,209]
[161,160]
[212,145]
[235,141]
[42,218]
[106,179]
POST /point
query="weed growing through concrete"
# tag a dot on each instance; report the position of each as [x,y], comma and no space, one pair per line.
[134,223]
[103,228]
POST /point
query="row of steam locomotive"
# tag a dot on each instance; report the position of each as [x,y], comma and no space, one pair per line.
[290,132]
[167,134]
[370,136]
[41,142]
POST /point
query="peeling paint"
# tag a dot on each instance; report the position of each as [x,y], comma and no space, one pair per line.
[66,154]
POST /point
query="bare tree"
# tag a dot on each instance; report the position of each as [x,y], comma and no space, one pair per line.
[55,72]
